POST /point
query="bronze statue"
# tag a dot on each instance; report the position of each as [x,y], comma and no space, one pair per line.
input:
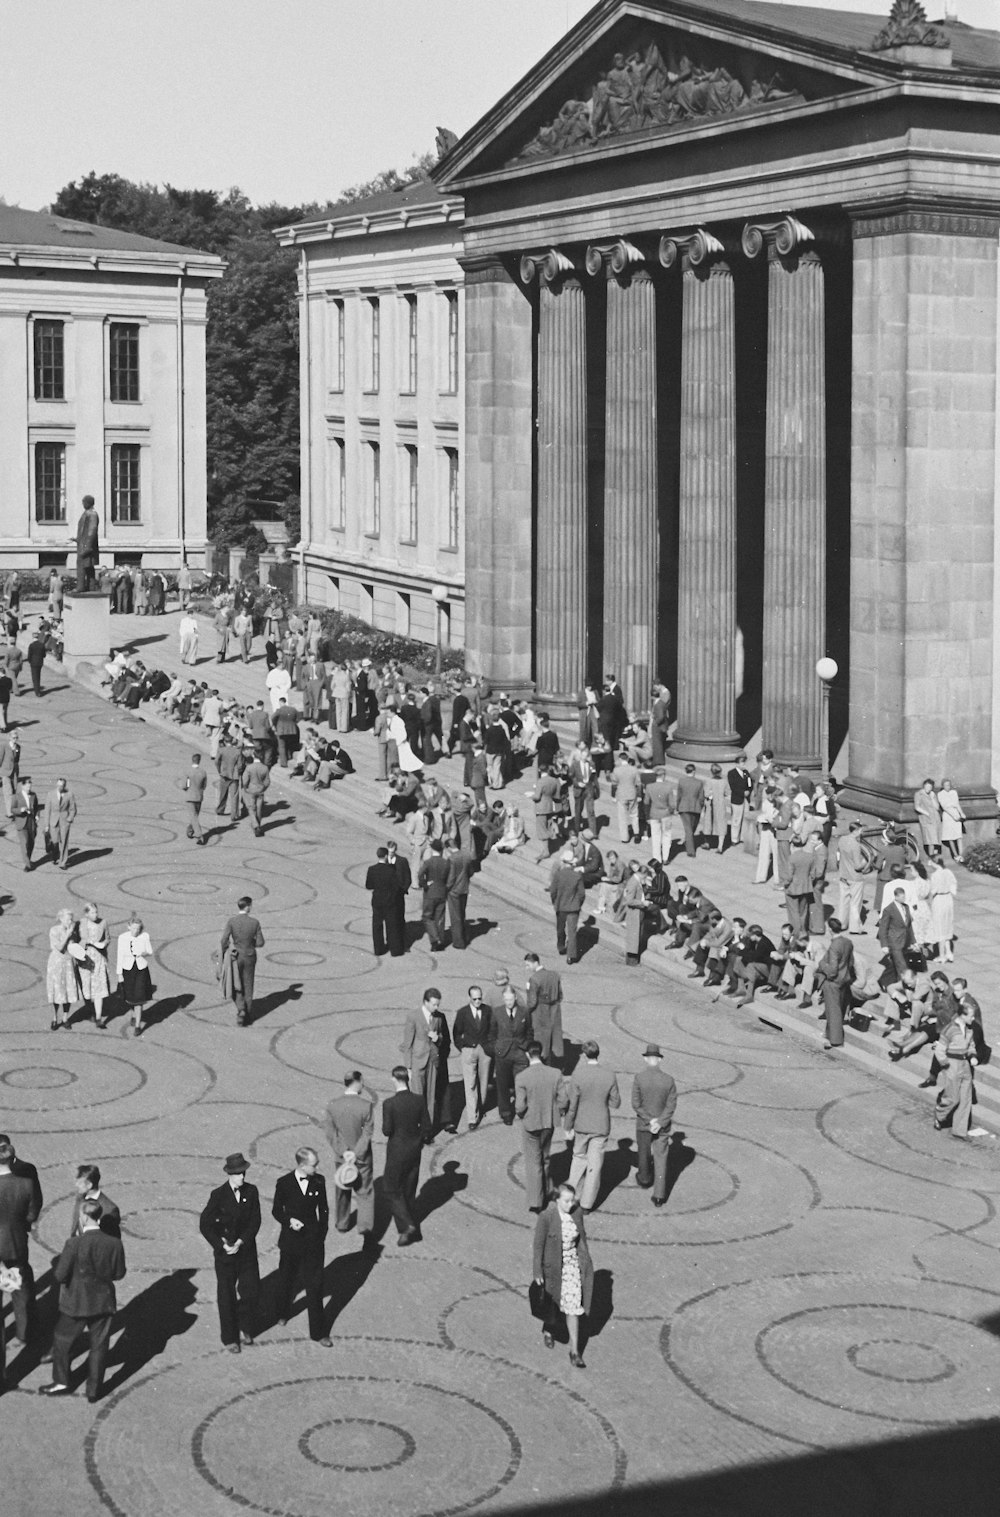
[87,547]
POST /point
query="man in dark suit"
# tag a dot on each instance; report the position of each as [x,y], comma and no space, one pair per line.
[407,1126]
[690,800]
[427,1045]
[230,1222]
[86,1270]
[544,1002]
[459,869]
[405,873]
[654,1101]
[511,1036]
[195,782]
[540,1095]
[350,1126]
[88,1188]
[472,1035]
[740,782]
[387,894]
[895,929]
[432,878]
[36,660]
[244,933]
[24,814]
[567,892]
[229,763]
[25,1170]
[835,972]
[301,1210]
[18,1214]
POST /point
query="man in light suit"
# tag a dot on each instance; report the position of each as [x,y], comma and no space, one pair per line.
[350,1124]
[230,1222]
[472,1035]
[540,1096]
[654,1101]
[593,1095]
[195,782]
[88,1188]
[315,684]
[60,814]
[301,1210]
[426,1046]
[86,1271]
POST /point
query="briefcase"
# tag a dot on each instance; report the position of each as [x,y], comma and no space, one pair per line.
[538,1300]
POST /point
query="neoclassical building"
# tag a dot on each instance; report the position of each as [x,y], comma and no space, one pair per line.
[731,363]
[102,391]
[382,377]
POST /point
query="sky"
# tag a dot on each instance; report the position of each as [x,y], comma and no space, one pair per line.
[291,100]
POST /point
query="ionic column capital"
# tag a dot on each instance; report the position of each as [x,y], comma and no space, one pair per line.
[696,248]
[784,235]
[548,267]
[619,258]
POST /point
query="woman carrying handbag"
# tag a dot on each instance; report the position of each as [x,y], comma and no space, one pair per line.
[562,1267]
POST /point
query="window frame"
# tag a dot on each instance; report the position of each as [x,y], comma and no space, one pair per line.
[374,345]
[412,345]
[132,328]
[453,347]
[121,452]
[39,326]
[409,538]
[373,526]
[48,520]
[454,500]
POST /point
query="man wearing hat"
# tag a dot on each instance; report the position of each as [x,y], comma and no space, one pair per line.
[852,867]
[230,1222]
[350,1124]
[302,1212]
[654,1100]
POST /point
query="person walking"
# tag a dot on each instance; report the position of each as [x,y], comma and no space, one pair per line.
[134,953]
[583,782]
[460,867]
[194,785]
[853,865]
[690,804]
[626,789]
[60,814]
[567,892]
[426,1045]
[350,1127]
[256,783]
[407,1127]
[187,634]
[241,937]
[561,1263]
[544,1004]
[388,906]
[302,1212]
[315,684]
[61,986]
[222,628]
[540,1096]
[24,814]
[86,1271]
[243,632]
[593,1096]
[472,1035]
[36,660]
[942,890]
[660,804]
[432,878]
[10,771]
[92,969]
[19,1208]
[511,1036]
[955,1052]
[895,930]
[230,1223]
[654,1101]
[229,764]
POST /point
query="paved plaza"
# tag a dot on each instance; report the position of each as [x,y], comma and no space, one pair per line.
[811,1323]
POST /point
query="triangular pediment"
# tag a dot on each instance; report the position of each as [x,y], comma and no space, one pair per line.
[628,71]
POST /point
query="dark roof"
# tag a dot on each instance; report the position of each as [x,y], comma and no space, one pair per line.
[42,229]
[420,192]
[850,29]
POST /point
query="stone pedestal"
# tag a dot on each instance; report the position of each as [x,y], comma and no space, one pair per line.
[86,628]
[794,509]
[706,641]
[631,526]
[561,534]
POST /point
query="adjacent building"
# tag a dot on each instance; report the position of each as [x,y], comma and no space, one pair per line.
[731,338]
[382,365]
[102,391]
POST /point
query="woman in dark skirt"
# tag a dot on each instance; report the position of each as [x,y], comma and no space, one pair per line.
[134,952]
[562,1263]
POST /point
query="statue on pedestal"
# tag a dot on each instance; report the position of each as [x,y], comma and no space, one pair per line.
[87,547]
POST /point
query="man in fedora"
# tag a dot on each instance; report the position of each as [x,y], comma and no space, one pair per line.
[230,1223]
[302,1212]
[654,1100]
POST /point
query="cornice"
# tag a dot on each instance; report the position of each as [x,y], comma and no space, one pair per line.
[449,211]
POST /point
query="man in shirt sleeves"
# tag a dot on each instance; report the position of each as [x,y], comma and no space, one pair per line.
[302,1212]
[230,1222]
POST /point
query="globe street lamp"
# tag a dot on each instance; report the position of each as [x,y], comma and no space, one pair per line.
[826,669]
[440,595]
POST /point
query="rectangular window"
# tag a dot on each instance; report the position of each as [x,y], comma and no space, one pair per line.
[411,345]
[453,505]
[453,354]
[123,348]
[125,496]
[375,490]
[375,355]
[50,481]
[412,495]
[338,345]
[340,485]
[49,361]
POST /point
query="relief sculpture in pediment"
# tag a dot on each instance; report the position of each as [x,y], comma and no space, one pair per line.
[641,91]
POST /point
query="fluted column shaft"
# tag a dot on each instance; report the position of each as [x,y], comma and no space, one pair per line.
[706,648]
[794,509]
[561,529]
[631,526]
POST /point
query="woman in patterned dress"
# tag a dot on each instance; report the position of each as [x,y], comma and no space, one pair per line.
[60,972]
[562,1263]
[95,985]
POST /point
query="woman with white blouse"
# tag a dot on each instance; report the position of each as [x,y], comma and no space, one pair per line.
[952,817]
[95,984]
[134,952]
[943,890]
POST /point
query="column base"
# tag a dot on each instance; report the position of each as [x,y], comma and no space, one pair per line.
[86,628]
[710,747]
[894,803]
[562,707]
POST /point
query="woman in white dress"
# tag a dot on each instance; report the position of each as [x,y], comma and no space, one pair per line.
[134,952]
[952,817]
[408,761]
[95,984]
[943,890]
[61,986]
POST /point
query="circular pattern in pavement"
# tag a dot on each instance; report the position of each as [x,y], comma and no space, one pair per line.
[300,955]
[60,1082]
[170,887]
[901,1137]
[358,1430]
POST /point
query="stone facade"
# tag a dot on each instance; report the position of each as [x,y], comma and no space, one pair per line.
[102,381]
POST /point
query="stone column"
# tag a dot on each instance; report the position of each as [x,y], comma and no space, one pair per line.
[561,511]
[706,638]
[499,422]
[794,493]
[631,526]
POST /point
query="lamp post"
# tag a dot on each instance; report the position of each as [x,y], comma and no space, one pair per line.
[440,595]
[826,669]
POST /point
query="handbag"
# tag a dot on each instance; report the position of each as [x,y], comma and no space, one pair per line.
[538,1300]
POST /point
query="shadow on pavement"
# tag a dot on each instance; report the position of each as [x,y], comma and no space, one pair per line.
[146,1325]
